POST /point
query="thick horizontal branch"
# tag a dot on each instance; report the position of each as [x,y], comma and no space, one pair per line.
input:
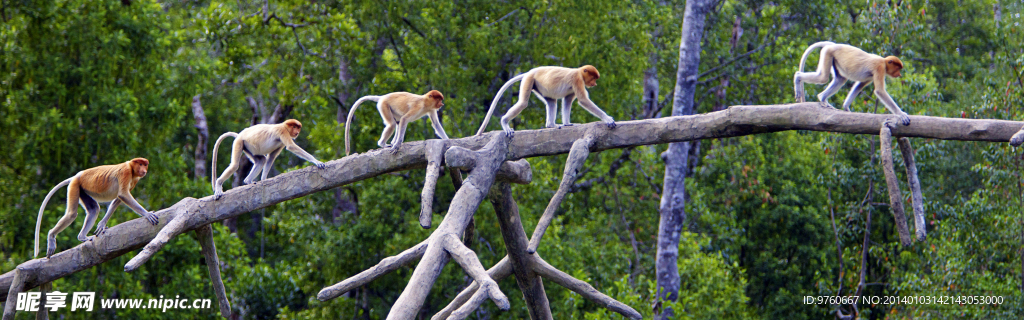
[735,121]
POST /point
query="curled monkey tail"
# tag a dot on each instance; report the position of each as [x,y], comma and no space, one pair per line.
[352,114]
[498,98]
[39,219]
[816,45]
[213,166]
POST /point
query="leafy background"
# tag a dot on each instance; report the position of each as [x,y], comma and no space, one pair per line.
[85,83]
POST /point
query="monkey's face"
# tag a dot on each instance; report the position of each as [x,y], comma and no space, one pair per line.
[437,97]
[590,76]
[893,65]
[294,127]
[140,166]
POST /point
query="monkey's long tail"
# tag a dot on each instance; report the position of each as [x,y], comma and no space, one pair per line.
[213,166]
[352,113]
[498,98]
[39,219]
[808,52]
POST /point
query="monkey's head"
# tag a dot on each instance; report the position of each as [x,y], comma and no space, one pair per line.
[140,166]
[437,97]
[590,75]
[893,65]
[293,126]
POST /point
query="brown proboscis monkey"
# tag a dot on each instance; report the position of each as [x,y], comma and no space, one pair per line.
[110,183]
[261,143]
[398,109]
[846,62]
[550,84]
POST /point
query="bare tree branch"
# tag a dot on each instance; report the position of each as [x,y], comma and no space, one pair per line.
[192,214]
[895,196]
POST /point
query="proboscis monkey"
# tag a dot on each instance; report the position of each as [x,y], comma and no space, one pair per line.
[110,183]
[846,62]
[549,84]
[261,143]
[398,109]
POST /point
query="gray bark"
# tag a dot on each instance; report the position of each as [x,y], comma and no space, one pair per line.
[209,250]
[673,198]
[435,155]
[43,313]
[203,136]
[484,164]
[920,229]
[514,236]
[191,214]
[895,196]
[577,156]
[529,269]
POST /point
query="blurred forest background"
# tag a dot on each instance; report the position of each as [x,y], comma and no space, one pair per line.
[85,83]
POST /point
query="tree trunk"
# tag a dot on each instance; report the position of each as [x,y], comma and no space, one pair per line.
[204,134]
[673,197]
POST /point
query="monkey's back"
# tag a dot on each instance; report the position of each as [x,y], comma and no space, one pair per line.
[261,132]
[102,181]
[847,56]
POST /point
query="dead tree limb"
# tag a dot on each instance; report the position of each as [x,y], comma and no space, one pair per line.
[516,244]
[483,165]
[895,197]
[920,229]
[209,249]
[735,121]
[577,156]
[435,155]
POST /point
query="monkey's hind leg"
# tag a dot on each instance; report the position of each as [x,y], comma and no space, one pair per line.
[837,82]
[819,76]
[257,166]
[403,124]
[74,189]
[551,108]
[390,122]
[524,99]
[92,211]
[237,149]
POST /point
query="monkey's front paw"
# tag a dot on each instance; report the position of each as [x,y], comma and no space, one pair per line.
[509,132]
[611,125]
[905,119]
[320,165]
[217,194]
[100,230]
[1017,139]
[393,149]
[153,219]
[89,238]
